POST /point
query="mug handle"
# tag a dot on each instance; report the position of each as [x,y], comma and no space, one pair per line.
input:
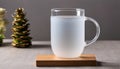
[97,30]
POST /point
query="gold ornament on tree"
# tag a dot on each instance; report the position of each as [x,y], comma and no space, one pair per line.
[3,23]
[21,38]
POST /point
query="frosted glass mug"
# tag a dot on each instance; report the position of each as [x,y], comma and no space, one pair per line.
[68,32]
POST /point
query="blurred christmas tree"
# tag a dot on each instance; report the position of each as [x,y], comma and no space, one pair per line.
[3,23]
[21,38]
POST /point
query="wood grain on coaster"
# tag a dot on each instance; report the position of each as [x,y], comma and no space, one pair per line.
[51,60]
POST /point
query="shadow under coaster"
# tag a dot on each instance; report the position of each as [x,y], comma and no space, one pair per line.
[51,60]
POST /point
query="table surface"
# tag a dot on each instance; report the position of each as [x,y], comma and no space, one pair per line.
[107,53]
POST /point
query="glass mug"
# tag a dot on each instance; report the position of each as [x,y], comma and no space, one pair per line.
[68,32]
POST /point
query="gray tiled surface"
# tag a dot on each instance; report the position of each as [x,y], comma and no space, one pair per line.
[107,53]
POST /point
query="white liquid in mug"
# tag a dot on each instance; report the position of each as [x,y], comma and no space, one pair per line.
[67,35]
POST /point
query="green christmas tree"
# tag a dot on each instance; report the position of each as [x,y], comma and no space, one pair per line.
[3,23]
[21,38]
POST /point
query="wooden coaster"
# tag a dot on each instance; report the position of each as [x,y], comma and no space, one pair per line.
[51,60]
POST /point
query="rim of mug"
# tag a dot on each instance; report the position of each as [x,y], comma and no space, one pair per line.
[67,9]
